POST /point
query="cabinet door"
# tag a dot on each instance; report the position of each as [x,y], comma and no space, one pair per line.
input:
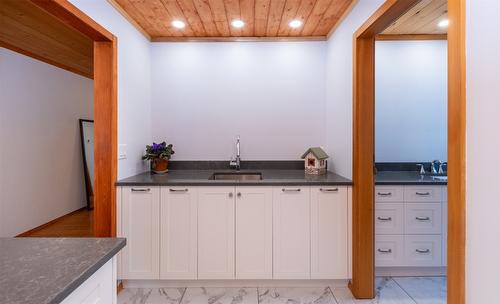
[216,232]
[329,233]
[292,233]
[254,233]
[141,226]
[178,233]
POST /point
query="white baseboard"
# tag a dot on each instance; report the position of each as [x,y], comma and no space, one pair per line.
[232,283]
[410,271]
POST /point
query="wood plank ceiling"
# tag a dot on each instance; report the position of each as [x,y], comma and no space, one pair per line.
[29,30]
[423,18]
[211,19]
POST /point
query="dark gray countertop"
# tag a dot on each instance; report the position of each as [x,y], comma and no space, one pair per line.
[201,178]
[47,270]
[405,178]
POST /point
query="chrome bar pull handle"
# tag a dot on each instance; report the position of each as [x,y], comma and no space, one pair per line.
[422,250]
[384,250]
[423,193]
[329,189]
[418,218]
[290,190]
[384,193]
[384,219]
[140,190]
[178,190]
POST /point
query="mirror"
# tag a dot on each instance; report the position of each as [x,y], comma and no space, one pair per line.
[87,137]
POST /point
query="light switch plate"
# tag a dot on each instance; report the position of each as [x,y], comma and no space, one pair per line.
[122,151]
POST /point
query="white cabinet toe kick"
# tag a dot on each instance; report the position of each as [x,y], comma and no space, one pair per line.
[234,234]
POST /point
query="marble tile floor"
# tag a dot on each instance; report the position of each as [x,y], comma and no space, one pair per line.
[389,290]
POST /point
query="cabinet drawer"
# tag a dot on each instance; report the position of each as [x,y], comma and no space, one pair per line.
[389,194]
[423,194]
[389,250]
[423,250]
[389,218]
[423,218]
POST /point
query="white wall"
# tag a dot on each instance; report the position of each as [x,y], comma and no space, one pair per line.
[272,94]
[40,156]
[339,87]
[483,151]
[411,101]
[134,83]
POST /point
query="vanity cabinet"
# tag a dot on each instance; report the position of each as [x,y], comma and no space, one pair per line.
[234,232]
[178,233]
[292,233]
[410,226]
[254,233]
[216,232]
[140,224]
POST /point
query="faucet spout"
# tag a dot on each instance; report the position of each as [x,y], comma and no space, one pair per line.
[236,164]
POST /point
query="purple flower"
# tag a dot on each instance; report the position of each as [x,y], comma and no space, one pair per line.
[156,147]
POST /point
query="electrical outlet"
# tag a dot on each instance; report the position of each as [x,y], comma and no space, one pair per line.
[122,151]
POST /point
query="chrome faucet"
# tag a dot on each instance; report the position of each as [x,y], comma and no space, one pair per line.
[236,163]
[435,165]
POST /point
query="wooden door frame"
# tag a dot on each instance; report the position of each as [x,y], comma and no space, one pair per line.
[363,272]
[105,108]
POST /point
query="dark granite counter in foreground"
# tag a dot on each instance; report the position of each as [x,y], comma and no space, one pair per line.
[47,270]
[201,178]
[406,178]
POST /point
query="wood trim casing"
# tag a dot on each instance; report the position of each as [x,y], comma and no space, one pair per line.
[67,13]
[105,147]
[384,37]
[363,139]
[363,273]
[456,152]
[105,110]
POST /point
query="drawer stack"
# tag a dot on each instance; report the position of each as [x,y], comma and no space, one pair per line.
[409,226]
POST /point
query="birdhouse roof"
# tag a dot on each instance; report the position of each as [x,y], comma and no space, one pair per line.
[317,152]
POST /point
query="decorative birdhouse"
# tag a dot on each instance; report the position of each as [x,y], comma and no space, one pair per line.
[315,161]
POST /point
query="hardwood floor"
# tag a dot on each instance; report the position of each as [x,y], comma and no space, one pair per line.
[77,224]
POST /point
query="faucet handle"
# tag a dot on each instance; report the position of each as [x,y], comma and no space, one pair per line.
[422,169]
[441,170]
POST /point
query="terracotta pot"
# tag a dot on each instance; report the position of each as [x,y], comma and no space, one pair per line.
[159,166]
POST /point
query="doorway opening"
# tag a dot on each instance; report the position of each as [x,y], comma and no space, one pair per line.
[49,23]
[362,284]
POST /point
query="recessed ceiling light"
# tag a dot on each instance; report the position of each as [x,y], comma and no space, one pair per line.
[295,23]
[178,24]
[443,23]
[237,23]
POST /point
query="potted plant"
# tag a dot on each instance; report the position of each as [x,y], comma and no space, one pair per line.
[159,155]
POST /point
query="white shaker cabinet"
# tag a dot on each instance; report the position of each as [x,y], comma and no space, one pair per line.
[329,234]
[216,232]
[254,233]
[292,234]
[178,233]
[140,224]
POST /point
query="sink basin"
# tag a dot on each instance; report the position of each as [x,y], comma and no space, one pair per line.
[244,176]
[440,178]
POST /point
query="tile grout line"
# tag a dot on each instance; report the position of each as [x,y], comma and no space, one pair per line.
[183,294]
[333,294]
[404,290]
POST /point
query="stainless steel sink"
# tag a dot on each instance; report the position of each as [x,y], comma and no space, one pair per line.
[243,176]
